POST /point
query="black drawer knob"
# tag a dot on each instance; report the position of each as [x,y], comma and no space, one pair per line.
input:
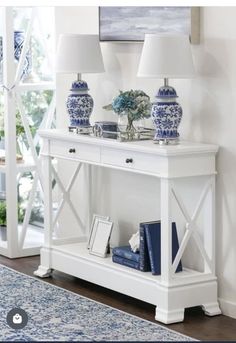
[129,160]
[71,150]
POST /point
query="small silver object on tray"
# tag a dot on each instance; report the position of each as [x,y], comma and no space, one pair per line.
[83,130]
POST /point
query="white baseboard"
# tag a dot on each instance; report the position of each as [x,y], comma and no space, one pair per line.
[228,308]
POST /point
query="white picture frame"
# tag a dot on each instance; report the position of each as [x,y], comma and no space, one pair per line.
[92,232]
[101,237]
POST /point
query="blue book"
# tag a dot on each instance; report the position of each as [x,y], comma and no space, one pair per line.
[153,235]
[125,262]
[126,252]
[143,251]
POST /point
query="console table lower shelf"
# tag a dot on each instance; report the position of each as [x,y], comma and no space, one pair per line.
[188,288]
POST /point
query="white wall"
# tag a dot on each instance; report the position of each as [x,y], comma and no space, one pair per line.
[217,121]
[209,116]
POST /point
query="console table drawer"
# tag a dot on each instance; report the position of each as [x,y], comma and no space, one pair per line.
[132,160]
[77,151]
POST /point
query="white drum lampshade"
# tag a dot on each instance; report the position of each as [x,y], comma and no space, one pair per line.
[79,53]
[166,56]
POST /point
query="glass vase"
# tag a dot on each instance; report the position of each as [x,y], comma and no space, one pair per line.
[129,128]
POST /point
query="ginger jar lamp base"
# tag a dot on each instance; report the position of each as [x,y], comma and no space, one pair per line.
[166,115]
[79,105]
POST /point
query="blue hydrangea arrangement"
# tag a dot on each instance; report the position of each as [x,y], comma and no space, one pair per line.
[134,103]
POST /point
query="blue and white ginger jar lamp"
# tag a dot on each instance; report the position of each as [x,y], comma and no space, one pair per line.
[79,104]
[79,53]
[166,114]
[166,56]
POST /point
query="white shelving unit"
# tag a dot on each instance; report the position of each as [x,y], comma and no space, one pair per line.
[188,162]
[20,167]
[24,239]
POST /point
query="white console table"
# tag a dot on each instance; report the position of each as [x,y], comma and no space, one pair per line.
[171,292]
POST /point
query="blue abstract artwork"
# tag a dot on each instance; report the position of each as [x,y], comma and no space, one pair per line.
[130,23]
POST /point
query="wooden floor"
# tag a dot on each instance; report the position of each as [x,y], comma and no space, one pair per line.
[195,325]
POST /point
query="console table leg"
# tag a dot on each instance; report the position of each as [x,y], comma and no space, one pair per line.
[44,269]
[211,309]
[43,272]
[169,316]
[166,231]
[90,197]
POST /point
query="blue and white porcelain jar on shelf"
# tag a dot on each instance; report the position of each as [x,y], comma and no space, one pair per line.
[166,115]
[79,104]
[19,38]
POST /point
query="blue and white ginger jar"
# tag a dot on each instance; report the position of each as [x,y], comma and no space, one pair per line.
[166,114]
[79,104]
[19,38]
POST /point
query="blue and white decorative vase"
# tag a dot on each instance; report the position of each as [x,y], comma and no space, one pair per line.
[79,104]
[19,38]
[166,115]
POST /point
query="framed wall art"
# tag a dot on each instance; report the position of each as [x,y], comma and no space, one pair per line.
[130,23]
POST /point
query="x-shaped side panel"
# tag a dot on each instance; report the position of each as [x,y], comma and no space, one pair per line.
[191,227]
[66,196]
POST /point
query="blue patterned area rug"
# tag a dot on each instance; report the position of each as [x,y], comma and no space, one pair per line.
[56,314]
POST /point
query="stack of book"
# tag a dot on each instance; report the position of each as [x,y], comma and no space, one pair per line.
[126,257]
[149,256]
